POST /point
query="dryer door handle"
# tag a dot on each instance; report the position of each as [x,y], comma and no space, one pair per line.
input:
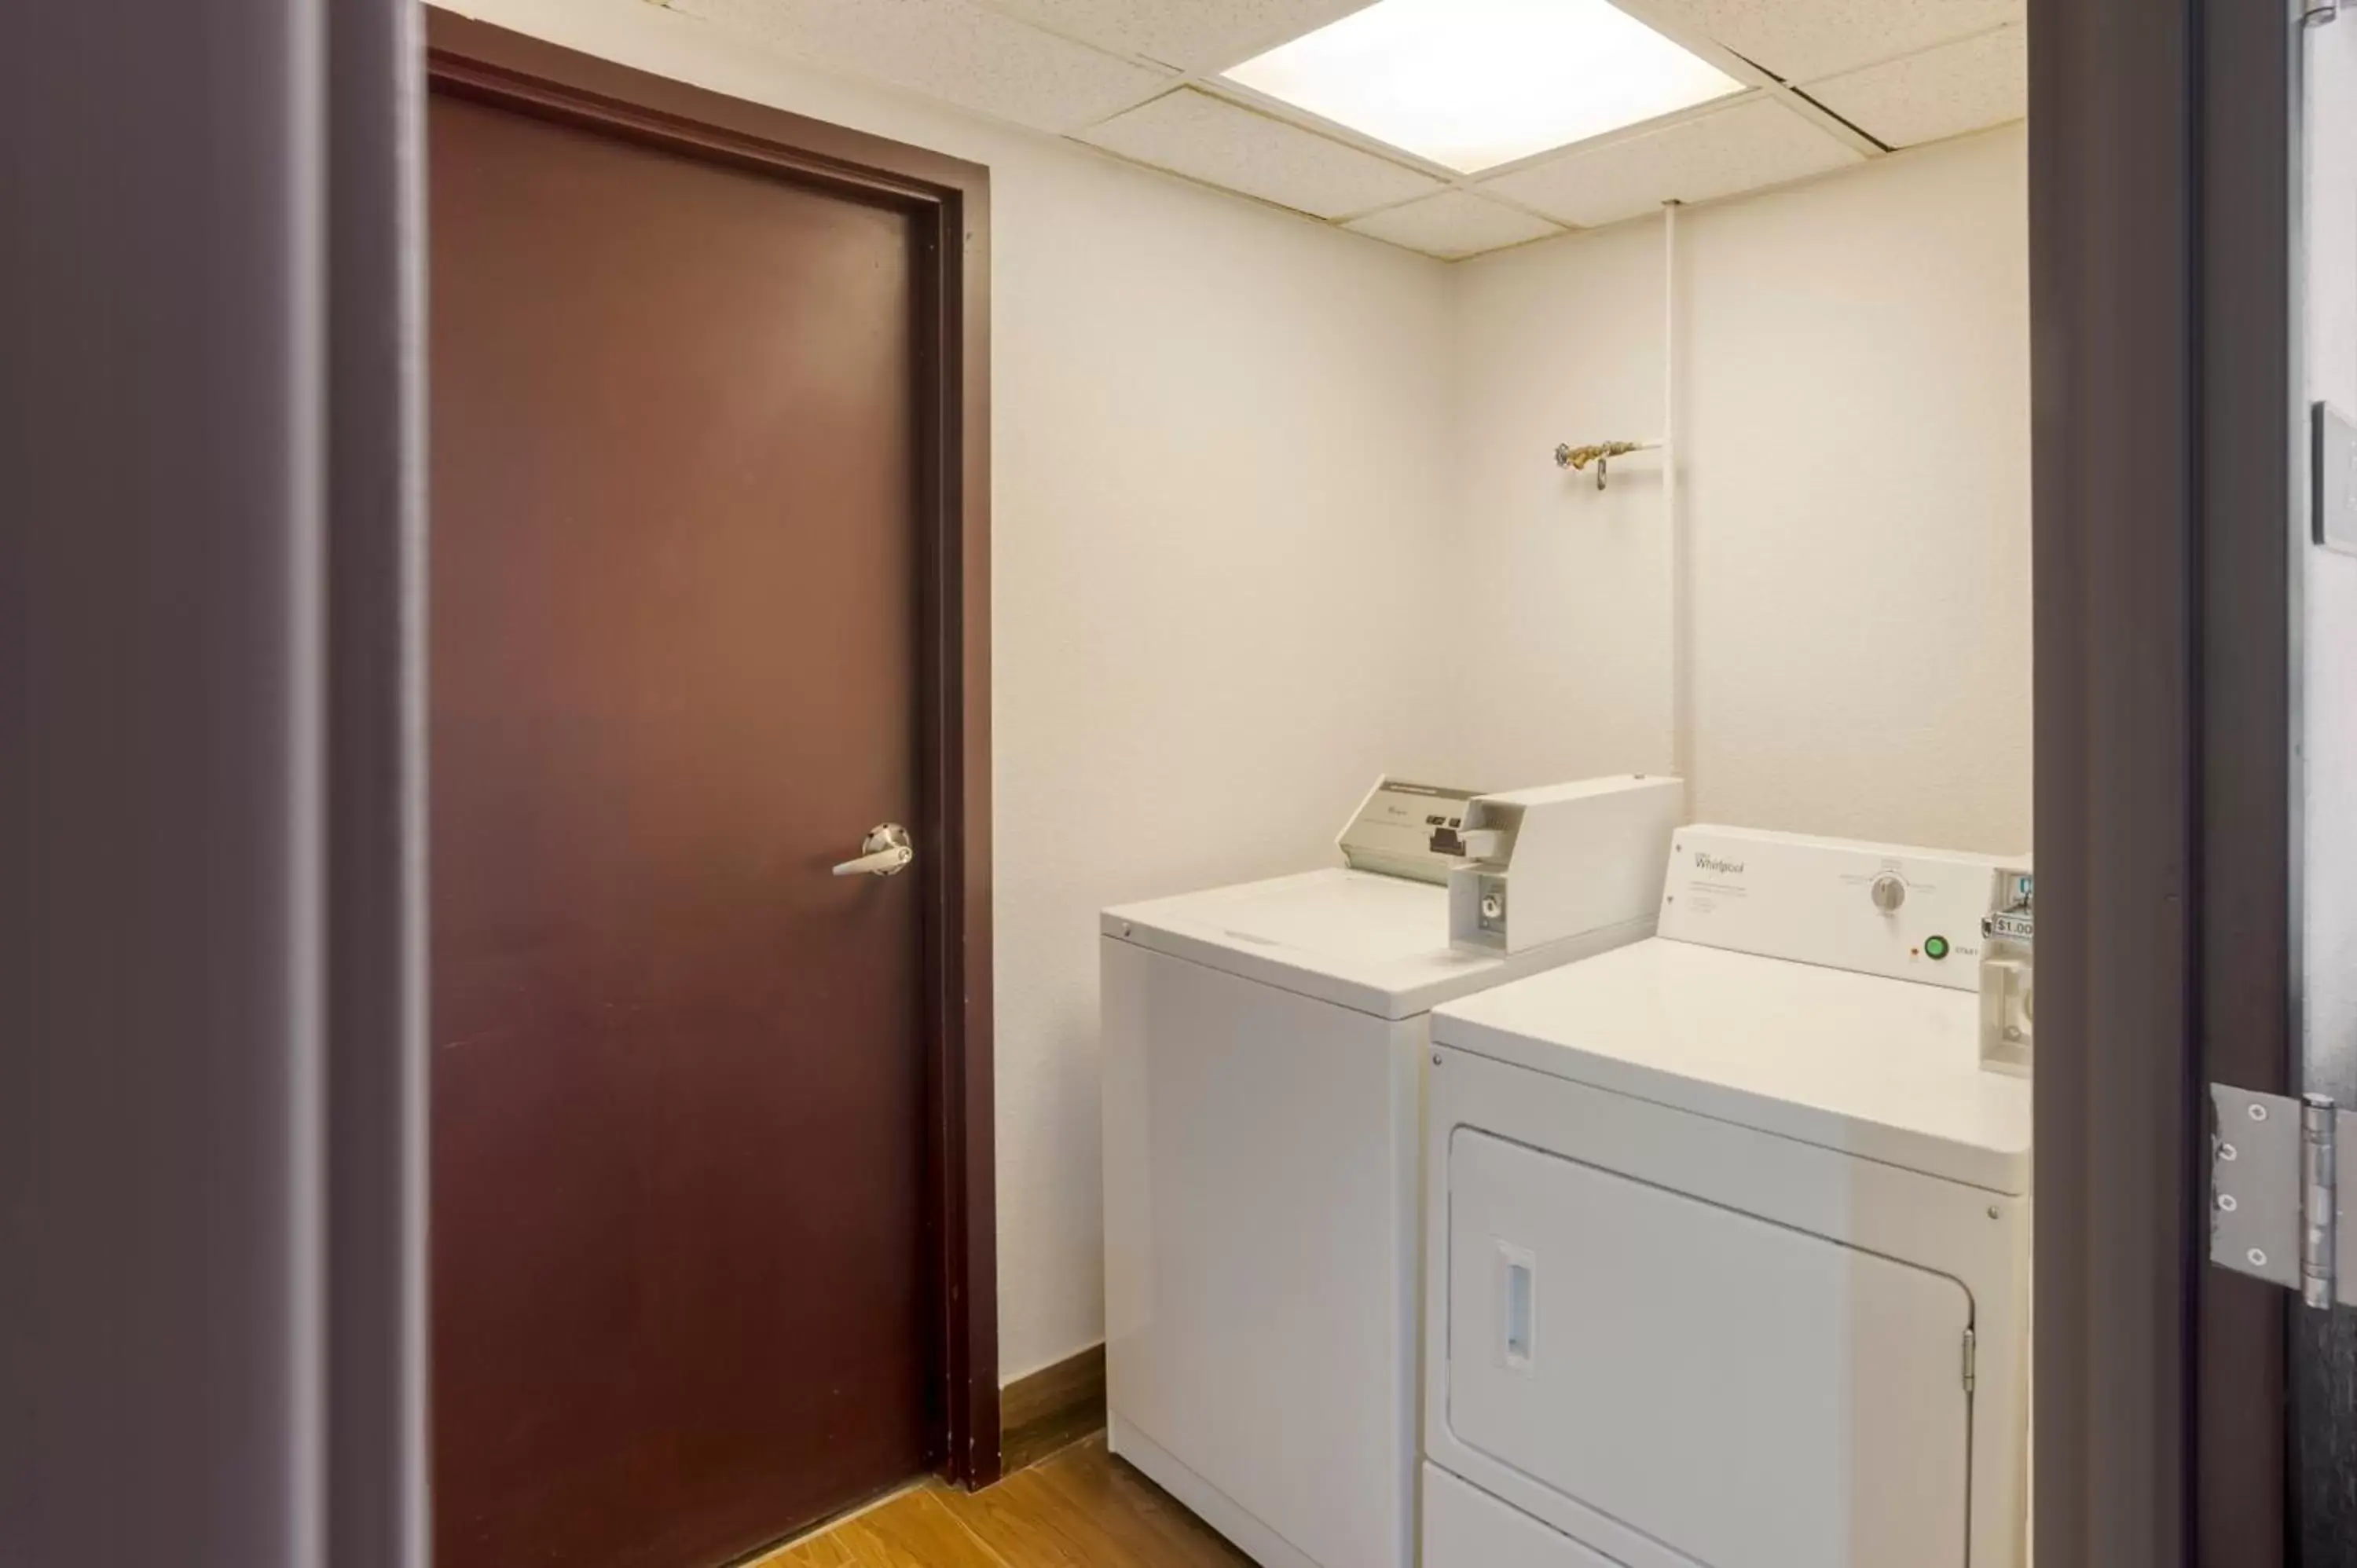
[1518,1304]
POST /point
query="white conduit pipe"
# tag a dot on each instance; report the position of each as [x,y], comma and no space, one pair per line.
[1681,677]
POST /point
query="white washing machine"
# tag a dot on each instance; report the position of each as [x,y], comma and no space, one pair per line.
[1263,1053]
[1727,1234]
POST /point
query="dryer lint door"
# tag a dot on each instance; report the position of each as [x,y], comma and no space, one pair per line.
[1746,1394]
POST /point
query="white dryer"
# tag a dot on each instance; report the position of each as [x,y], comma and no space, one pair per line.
[1727,1234]
[1264,1047]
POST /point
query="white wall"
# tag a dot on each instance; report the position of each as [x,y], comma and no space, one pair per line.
[1561,666]
[1218,443]
[1854,407]
[1273,512]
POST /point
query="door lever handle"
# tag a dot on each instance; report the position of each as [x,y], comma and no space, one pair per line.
[885,852]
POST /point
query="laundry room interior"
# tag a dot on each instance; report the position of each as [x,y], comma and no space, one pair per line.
[1345,509]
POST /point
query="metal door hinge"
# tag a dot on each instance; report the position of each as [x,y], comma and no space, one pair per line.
[2274,1193]
[2315,13]
[1972,1360]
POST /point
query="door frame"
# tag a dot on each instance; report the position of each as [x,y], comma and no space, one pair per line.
[2168,490]
[949,202]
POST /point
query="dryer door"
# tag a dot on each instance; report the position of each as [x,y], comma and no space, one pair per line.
[1748,1395]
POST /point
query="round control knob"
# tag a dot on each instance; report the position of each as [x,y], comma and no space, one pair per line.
[1890,892]
[1493,906]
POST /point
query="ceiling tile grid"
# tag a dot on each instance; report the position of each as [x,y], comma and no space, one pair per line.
[1806,40]
[1454,224]
[1195,36]
[1138,79]
[1944,91]
[1210,139]
[957,50]
[1756,142]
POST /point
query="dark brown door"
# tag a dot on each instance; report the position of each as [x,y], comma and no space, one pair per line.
[680,1300]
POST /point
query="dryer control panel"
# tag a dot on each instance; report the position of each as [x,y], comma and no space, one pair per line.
[1889,910]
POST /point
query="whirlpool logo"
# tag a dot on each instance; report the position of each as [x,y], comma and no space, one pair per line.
[1717,864]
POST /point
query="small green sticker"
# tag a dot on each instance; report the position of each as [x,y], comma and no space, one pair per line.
[1935,947]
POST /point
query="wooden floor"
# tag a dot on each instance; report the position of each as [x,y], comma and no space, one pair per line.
[1080,1507]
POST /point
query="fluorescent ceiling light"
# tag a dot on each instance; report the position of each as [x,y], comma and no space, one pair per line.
[1474,83]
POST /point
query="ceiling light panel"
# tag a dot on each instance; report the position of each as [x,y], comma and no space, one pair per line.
[1945,92]
[1471,84]
[1193,35]
[1745,148]
[1454,224]
[1193,134]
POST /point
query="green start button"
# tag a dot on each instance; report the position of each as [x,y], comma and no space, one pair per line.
[1935,947]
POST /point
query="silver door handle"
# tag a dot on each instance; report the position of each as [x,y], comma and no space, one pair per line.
[885,852]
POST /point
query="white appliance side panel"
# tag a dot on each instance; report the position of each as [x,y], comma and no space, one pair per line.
[1201,1498]
[1260,1152]
[1465,1527]
[1743,1394]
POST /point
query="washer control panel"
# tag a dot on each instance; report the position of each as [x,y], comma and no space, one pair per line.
[1407,830]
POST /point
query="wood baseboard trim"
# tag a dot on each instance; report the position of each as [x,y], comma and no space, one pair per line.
[1058,1405]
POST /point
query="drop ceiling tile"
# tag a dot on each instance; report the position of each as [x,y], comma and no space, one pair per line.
[1206,138]
[958,51]
[1945,92]
[1755,144]
[1454,223]
[1193,35]
[1804,40]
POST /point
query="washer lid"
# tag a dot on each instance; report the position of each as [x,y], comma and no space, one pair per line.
[1881,1069]
[1376,943]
